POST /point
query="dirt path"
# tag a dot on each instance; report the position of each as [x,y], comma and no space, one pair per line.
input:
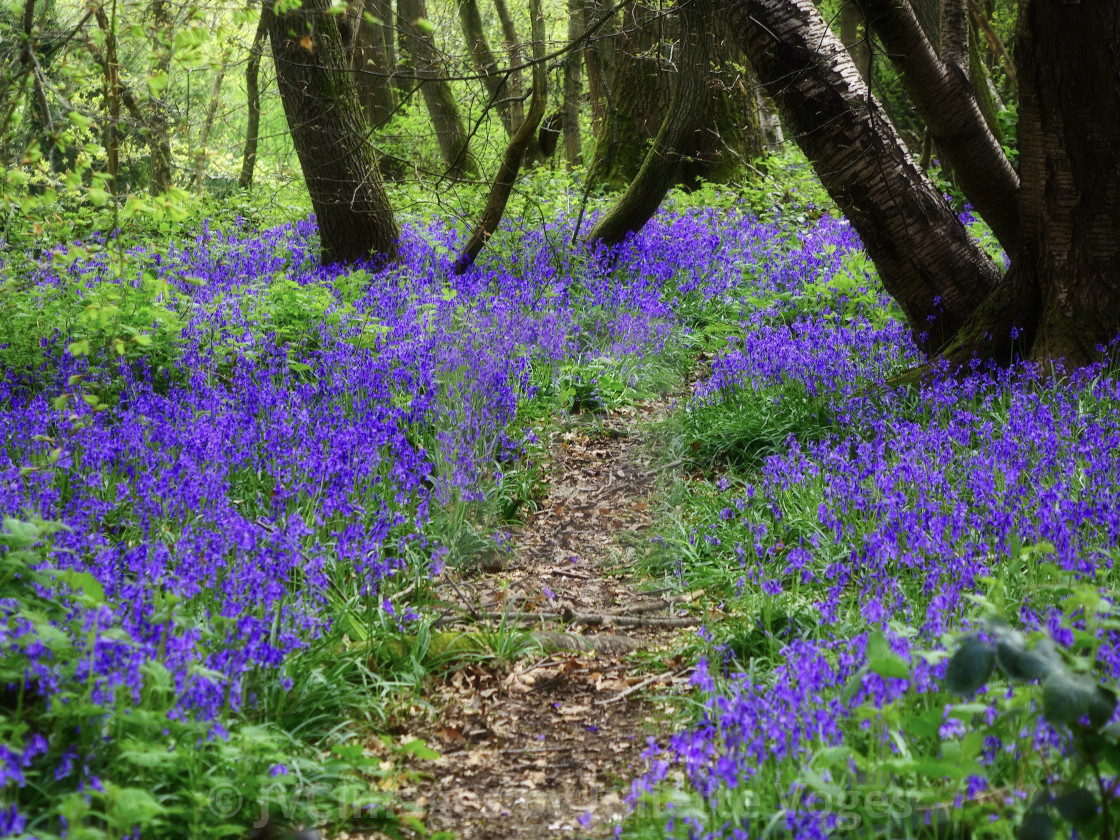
[549,748]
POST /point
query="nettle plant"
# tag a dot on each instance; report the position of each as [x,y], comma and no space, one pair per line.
[1021,730]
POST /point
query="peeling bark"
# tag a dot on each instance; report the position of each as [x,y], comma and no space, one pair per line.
[925,257]
[943,95]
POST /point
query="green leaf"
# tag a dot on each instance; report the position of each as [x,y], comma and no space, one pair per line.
[1077,806]
[1037,825]
[79,348]
[1066,698]
[129,806]
[890,666]
[421,750]
[83,583]
[1102,706]
[157,82]
[970,668]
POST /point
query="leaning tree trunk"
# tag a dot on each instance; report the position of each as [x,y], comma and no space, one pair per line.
[470,18]
[925,257]
[940,88]
[373,58]
[253,97]
[662,167]
[444,112]
[638,101]
[1060,299]
[329,131]
[515,152]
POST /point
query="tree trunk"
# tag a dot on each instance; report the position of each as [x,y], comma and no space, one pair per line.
[328,129]
[1069,215]
[253,95]
[201,152]
[729,132]
[854,36]
[599,58]
[573,88]
[662,166]
[640,94]
[440,101]
[159,138]
[943,94]
[925,257]
[470,18]
[533,152]
[511,161]
[1060,299]
[373,61]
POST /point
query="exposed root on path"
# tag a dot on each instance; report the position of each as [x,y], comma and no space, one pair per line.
[547,749]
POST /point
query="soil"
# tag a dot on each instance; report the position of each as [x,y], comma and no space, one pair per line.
[548,747]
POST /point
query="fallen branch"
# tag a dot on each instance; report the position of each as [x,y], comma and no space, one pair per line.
[655,678]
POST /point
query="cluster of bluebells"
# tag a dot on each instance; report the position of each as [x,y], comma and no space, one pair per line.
[915,499]
[216,503]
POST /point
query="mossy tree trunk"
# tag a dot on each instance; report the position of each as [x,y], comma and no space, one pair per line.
[374,60]
[329,132]
[428,66]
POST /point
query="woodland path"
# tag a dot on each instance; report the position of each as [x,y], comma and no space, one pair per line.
[548,748]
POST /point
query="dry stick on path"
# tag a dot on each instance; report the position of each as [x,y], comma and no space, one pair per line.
[515,151]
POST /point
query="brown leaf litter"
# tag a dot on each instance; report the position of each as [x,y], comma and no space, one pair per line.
[548,748]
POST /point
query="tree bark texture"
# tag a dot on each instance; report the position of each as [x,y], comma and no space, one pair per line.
[599,59]
[442,108]
[650,65]
[1069,156]
[944,97]
[925,257]
[374,58]
[639,93]
[470,18]
[329,132]
[662,167]
[515,152]
[573,87]
[253,97]
[159,138]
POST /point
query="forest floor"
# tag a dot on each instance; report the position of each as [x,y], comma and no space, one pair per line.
[548,745]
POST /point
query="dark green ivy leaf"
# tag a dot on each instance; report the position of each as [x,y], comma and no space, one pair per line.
[1077,806]
[1024,665]
[970,667]
[1066,698]
[1036,825]
[1102,706]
